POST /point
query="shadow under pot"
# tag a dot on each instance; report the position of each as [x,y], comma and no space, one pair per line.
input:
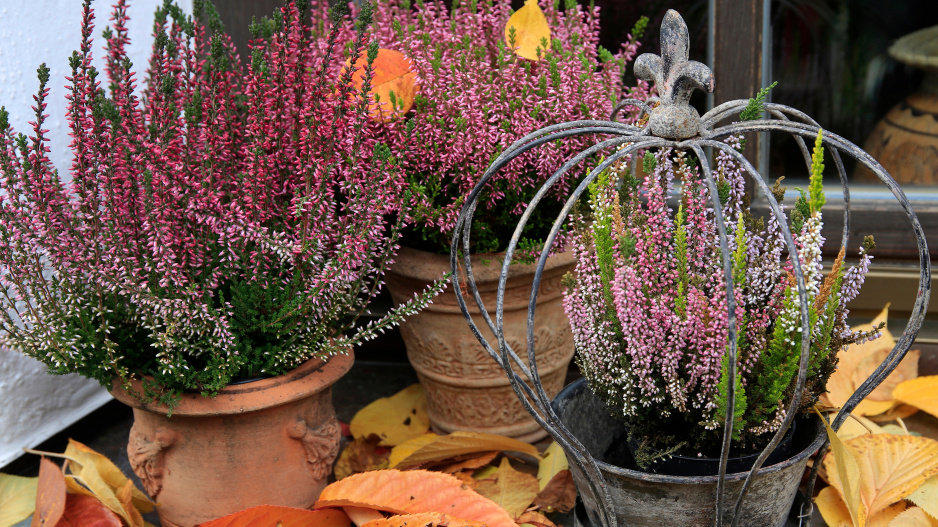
[270,441]
[466,389]
[642,498]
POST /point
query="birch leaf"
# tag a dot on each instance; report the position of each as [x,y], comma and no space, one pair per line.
[17,498]
[553,460]
[845,475]
[393,87]
[431,447]
[425,519]
[926,497]
[529,28]
[394,419]
[271,515]
[921,393]
[914,517]
[512,490]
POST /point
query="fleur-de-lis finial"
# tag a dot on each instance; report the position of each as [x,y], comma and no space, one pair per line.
[676,78]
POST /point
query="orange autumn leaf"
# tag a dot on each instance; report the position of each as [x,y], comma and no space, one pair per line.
[411,492]
[535,519]
[891,468]
[527,30]
[857,362]
[87,511]
[270,515]
[393,87]
[425,519]
[921,393]
[50,496]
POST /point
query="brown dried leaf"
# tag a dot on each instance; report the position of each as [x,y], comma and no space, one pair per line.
[50,496]
[471,462]
[431,447]
[361,455]
[514,491]
[559,494]
[535,519]
[552,461]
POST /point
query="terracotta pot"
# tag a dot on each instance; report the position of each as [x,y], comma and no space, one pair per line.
[466,389]
[643,499]
[905,142]
[271,441]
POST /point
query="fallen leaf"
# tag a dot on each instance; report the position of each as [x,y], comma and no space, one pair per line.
[914,517]
[485,473]
[559,494]
[394,419]
[514,491]
[87,511]
[845,475]
[926,496]
[857,425]
[890,468]
[553,460]
[921,393]
[832,508]
[413,491]
[426,519]
[272,515]
[108,472]
[467,479]
[857,362]
[360,515]
[431,447]
[535,519]
[471,462]
[50,495]
[900,411]
[17,498]
[124,496]
[530,30]
[361,455]
[884,517]
[393,86]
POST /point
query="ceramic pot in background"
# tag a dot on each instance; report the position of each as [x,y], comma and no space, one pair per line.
[466,389]
[643,499]
[271,441]
[905,141]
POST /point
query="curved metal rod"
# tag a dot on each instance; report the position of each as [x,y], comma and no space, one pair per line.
[645,109]
[803,305]
[465,218]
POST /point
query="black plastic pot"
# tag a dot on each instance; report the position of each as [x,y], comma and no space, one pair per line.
[644,499]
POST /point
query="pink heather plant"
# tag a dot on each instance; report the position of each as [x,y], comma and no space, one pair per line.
[476,97]
[228,223]
[648,304]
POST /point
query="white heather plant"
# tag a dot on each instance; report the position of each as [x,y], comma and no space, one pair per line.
[648,304]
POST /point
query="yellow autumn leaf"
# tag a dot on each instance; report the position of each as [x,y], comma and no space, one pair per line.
[857,362]
[835,513]
[891,467]
[431,447]
[926,496]
[845,476]
[914,517]
[921,393]
[553,460]
[394,419]
[527,30]
[17,498]
[108,471]
[512,490]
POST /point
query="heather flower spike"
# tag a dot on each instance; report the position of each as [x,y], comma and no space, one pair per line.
[675,77]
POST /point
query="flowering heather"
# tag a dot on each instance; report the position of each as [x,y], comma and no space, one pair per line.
[227,223]
[476,97]
[649,312]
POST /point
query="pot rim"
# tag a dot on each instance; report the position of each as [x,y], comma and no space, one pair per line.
[483,265]
[313,376]
[580,384]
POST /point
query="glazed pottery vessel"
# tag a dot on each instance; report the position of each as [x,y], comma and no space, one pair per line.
[905,142]
[642,499]
[466,389]
[270,441]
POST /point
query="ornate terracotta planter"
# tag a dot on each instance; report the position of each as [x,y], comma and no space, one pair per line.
[466,389]
[270,441]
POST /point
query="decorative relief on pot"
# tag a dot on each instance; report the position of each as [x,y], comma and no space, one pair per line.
[516,297]
[321,444]
[147,456]
[482,408]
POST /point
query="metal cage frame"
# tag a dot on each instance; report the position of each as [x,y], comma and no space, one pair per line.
[672,125]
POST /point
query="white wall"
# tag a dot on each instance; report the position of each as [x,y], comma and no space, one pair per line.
[33,404]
